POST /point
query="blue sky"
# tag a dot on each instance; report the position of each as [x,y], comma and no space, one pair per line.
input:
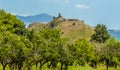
[91,11]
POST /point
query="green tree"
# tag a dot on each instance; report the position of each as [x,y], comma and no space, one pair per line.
[83,50]
[11,45]
[35,54]
[101,34]
[45,47]
[12,50]
[111,52]
[9,22]
[65,52]
[50,46]
[4,51]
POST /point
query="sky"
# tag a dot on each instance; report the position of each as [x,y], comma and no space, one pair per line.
[93,12]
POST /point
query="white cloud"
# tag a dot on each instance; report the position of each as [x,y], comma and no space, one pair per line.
[81,6]
[13,13]
[19,14]
[25,15]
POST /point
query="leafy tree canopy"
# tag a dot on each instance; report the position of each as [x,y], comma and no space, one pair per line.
[101,34]
[9,22]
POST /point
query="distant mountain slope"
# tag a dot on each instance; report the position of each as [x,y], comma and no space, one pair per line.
[36,18]
[71,29]
[115,33]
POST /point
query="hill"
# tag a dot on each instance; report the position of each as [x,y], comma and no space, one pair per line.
[37,26]
[35,18]
[71,29]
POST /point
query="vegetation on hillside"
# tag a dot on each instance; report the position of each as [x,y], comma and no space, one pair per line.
[21,48]
[72,29]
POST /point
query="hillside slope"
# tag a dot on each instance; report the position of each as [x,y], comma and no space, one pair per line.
[36,26]
[71,29]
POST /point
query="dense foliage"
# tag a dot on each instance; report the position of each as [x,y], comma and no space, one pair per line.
[101,34]
[21,48]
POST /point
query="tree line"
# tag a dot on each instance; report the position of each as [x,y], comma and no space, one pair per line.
[21,48]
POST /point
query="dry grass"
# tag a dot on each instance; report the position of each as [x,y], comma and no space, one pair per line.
[70,28]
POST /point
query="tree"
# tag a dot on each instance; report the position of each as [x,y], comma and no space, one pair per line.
[65,52]
[59,16]
[4,51]
[9,22]
[12,50]
[101,34]
[12,47]
[46,44]
[111,52]
[35,54]
[49,48]
[83,51]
